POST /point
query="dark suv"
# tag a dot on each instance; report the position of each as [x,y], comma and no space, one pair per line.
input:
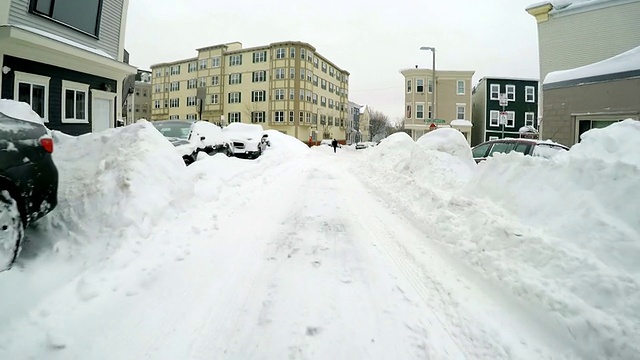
[526,146]
[28,181]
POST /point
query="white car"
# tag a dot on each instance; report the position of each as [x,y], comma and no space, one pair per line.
[190,139]
[249,140]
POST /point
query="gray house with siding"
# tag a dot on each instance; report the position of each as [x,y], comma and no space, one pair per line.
[65,58]
[592,96]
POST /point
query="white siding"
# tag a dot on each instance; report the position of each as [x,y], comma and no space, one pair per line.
[570,41]
[109,33]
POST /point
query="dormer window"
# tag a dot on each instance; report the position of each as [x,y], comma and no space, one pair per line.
[83,16]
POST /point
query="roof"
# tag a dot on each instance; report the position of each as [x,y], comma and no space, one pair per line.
[568,7]
[626,64]
[506,78]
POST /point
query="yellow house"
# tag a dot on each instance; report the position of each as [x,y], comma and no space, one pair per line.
[452,99]
[286,86]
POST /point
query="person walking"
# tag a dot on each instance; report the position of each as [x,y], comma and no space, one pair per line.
[334,143]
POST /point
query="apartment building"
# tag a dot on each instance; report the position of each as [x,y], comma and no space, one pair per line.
[452,100]
[66,59]
[138,101]
[286,86]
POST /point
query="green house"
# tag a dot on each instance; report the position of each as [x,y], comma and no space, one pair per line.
[495,119]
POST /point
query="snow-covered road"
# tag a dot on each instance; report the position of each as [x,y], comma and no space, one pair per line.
[299,260]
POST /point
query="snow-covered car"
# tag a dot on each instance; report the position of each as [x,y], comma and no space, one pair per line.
[192,138]
[249,140]
[28,180]
[360,146]
[326,142]
[530,147]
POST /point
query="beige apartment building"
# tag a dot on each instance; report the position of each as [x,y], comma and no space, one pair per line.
[286,86]
[453,102]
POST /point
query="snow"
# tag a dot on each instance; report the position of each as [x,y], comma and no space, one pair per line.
[406,250]
[63,40]
[627,61]
[19,110]
[466,123]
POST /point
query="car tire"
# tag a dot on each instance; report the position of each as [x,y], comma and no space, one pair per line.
[11,230]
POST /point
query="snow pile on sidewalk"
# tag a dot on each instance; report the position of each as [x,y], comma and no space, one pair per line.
[115,182]
[563,235]
[19,110]
[449,141]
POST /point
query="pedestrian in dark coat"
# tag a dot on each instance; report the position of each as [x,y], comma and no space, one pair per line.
[334,143]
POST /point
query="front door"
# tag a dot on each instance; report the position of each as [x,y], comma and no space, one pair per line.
[102,110]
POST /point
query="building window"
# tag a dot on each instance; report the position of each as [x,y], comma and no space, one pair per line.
[323,101]
[80,15]
[315,63]
[33,90]
[278,116]
[331,87]
[330,103]
[460,87]
[530,93]
[215,98]
[175,70]
[259,56]
[529,118]
[292,94]
[280,53]
[302,74]
[460,111]
[257,117]
[192,83]
[511,119]
[301,117]
[301,94]
[235,60]
[158,73]
[430,111]
[259,76]
[430,86]
[174,117]
[419,85]
[235,78]
[192,116]
[215,62]
[292,116]
[193,66]
[234,97]
[202,82]
[308,117]
[157,88]
[511,92]
[303,54]
[408,114]
[215,80]
[279,74]
[308,95]
[495,91]
[323,84]
[234,117]
[74,102]
[174,103]
[175,86]
[292,52]
[315,98]
[419,111]
[315,80]
[279,94]
[408,86]
[191,101]
[494,118]
[292,73]
[324,67]
[203,64]
[258,95]
[156,104]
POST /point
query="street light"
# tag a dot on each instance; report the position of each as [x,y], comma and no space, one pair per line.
[433,79]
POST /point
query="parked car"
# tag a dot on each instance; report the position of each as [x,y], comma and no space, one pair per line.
[192,138]
[526,146]
[28,181]
[249,140]
[360,146]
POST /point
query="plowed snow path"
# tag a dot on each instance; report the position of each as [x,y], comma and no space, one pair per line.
[301,262]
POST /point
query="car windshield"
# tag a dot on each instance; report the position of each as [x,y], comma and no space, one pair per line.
[174,129]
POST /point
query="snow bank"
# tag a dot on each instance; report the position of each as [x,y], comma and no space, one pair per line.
[450,141]
[285,143]
[19,110]
[563,235]
[114,182]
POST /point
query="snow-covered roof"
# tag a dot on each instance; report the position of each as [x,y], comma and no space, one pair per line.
[627,61]
[63,40]
[461,123]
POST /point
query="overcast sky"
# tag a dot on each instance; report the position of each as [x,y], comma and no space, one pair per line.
[371,39]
